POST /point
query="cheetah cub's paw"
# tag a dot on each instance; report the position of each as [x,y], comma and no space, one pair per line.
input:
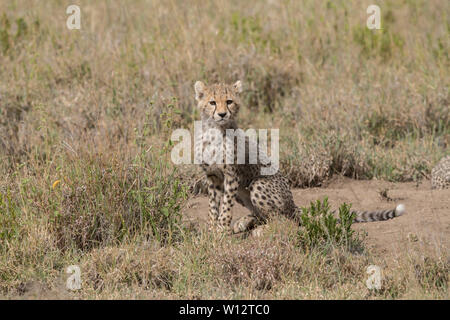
[244,224]
[259,231]
[225,230]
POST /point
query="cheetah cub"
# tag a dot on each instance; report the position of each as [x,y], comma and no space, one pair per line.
[262,195]
[440,175]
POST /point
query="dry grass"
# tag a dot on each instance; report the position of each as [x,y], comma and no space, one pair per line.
[94,108]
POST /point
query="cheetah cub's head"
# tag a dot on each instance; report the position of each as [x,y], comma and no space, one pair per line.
[218,102]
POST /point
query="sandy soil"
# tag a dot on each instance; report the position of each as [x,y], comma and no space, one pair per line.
[426,222]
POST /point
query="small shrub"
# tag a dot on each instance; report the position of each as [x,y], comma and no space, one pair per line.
[319,226]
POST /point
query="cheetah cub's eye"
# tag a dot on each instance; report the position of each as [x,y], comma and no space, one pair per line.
[213,103]
[229,102]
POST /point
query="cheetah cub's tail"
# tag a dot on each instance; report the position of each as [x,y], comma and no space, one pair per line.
[380,215]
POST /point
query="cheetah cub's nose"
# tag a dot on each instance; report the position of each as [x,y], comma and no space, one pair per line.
[222,114]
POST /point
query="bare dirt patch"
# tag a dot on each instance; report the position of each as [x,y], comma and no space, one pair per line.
[425,226]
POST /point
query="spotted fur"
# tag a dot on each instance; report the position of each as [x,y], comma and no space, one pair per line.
[262,195]
[440,175]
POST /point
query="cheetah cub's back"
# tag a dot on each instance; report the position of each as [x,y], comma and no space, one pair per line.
[440,175]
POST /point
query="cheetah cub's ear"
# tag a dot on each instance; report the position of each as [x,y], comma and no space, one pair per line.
[238,86]
[199,90]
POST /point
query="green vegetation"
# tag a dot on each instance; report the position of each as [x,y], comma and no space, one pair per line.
[321,227]
[85,118]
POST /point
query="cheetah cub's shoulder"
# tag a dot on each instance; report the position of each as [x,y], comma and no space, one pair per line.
[440,175]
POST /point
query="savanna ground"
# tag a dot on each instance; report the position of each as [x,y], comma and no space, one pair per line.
[85,121]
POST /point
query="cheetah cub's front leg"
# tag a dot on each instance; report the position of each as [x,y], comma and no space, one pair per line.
[229,197]
[215,195]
